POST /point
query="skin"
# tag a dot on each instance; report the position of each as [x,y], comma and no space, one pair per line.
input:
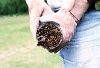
[39,10]
[36,10]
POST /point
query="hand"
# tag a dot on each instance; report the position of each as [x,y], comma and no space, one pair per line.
[66,21]
[37,8]
[67,18]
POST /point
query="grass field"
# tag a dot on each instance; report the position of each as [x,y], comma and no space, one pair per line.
[17,46]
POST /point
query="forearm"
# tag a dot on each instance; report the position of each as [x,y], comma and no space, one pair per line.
[81,7]
[78,7]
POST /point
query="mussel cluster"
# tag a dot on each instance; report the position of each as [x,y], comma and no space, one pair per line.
[49,34]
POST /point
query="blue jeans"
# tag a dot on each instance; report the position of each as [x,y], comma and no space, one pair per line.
[83,51]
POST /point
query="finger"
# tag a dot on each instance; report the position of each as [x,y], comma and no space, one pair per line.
[66,34]
[36,9]
[33,27]
[37,4]
[45,18]
[28,2]
[47,10]
[49,17]
[34,14]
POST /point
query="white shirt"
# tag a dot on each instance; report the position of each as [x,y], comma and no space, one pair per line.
[57,3]
[68,4]
[54,3]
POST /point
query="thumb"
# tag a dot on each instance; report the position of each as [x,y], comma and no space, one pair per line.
[33,27]
[47,10]
[28,2]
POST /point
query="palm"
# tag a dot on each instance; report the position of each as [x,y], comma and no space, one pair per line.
[36,10]
[66,22]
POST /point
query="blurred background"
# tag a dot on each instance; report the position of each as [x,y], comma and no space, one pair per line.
[17,46]
[10,7]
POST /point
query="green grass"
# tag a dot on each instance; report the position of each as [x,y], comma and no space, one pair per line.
[17,46]
[3,1]
[14,31]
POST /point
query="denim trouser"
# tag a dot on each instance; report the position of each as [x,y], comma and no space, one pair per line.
[83,51]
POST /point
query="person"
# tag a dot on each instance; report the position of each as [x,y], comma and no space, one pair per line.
[80,26]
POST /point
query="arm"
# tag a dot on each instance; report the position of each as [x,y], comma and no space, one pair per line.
[37,8]
[67,17]
[79,7]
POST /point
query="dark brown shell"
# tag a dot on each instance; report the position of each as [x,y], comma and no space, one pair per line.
[49,35]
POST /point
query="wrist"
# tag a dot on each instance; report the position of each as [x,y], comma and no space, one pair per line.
[80,8]
[68,15]
[76,7]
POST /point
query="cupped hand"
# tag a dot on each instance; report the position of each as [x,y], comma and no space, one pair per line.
[66,21]
[37,9]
